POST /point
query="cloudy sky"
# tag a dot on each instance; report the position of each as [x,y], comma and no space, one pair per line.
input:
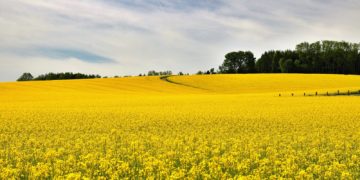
[128,37]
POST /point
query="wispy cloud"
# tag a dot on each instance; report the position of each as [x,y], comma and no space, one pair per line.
[131,37]
[72,53]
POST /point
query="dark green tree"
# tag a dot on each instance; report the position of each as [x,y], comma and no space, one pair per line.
[199,73]
[25,77]
[264,63]
[286,65]
[275,66]
[238,62]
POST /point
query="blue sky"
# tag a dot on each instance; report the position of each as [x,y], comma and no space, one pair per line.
[128,37]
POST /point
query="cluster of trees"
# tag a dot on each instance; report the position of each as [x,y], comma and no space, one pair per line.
[26,77]
[183,74]
[56,76]
[277,61]
[319,57]
[161,73]
[211,71]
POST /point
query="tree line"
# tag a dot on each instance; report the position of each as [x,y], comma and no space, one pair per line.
[56,76]
[160,73]
[335,57]
[69,75]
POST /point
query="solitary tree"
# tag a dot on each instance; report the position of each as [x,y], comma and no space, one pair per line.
[199,73]
[238,62]
[25,77]
[212,71]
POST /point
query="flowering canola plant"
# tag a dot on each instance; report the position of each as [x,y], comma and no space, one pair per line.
[190,127]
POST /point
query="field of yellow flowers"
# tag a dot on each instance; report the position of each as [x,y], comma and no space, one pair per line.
[189,127]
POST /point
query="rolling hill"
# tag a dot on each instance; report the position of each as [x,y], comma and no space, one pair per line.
[182,127]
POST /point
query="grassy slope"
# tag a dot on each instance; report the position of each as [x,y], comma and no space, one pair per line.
[238,84]
[123,85]
[89,89]
[270,83]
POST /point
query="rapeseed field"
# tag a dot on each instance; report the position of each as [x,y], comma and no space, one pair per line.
[190,127]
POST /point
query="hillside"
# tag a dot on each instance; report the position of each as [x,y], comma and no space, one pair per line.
[195,127]
[269,83]
[90,89]
[195,84]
